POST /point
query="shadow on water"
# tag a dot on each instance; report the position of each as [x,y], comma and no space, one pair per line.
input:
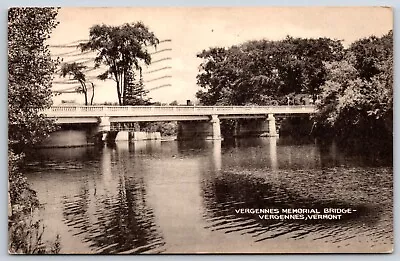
[61,159]
[119,222]
[102,204]
[319,181]
[231,192]
[368,151]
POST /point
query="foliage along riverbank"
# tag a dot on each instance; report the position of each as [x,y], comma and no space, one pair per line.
[30,70]
[352,87]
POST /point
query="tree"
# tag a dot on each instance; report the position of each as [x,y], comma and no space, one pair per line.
[371,53]
[30,70]
[357,98]
[121,49]
[76,71]
[258,72]
[134,92]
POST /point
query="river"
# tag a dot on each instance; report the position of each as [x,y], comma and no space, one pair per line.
[200,197]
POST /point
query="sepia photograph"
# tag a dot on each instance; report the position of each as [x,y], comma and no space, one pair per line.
[200,130]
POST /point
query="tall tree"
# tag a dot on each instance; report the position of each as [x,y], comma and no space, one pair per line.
[121,49]
[30,70]
[134,92]
[76,71]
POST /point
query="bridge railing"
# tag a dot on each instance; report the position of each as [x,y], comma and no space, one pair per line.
[79,110]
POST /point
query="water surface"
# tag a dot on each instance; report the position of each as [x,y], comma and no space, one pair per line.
[183,197]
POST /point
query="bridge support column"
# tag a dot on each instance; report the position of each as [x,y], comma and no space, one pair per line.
[216,127]
[104,128]
[271,125]
[104,124]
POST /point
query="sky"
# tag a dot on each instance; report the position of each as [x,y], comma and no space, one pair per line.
[188,31]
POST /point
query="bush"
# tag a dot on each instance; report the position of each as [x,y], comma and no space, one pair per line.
[26,236]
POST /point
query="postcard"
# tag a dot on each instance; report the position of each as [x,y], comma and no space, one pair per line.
[200,130]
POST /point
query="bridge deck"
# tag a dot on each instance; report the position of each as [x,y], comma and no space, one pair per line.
[127,111]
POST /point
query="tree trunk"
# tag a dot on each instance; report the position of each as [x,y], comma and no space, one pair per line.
[124,88]
[84,89]
[85,93]
[91,100]
[119,93]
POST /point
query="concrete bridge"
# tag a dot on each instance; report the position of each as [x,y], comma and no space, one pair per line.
[193,121]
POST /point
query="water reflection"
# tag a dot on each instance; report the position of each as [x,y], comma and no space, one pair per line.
[104,208]
[303,180]
[143,146]
[121,223]
[273,152]
[235,191]
[180,197]
[106,166]
[217,155]
[122,146]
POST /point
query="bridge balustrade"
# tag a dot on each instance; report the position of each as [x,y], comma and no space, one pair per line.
[199,110]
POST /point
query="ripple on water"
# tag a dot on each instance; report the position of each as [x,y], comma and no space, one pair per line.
[122,223]
[347,188]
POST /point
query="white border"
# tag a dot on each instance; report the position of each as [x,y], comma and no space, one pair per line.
[5,4]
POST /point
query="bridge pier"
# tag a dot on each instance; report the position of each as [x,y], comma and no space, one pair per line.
[104,124]
[216,127]
[272,126]
[104,130]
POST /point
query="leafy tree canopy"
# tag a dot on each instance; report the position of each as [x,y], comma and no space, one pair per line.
[358,93]
[30,70]
[258,71]
[76,72]
[120,48]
